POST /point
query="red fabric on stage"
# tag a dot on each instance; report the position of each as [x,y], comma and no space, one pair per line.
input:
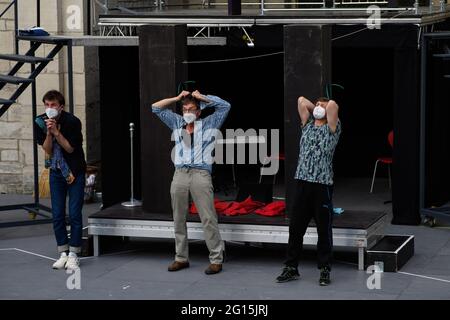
[275,208]
[221,206]
[193,209]
[218,204]
[245,207]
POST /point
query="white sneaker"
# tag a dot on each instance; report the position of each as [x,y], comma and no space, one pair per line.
[73,262]
[61,262]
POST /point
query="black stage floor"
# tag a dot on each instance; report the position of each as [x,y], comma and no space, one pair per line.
[350,219]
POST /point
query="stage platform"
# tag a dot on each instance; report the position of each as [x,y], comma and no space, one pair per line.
[352,229]
[218,17]
[121,29]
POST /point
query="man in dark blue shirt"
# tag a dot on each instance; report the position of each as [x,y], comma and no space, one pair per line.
[60,135]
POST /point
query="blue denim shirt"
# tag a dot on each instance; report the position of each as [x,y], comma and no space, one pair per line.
[198,156]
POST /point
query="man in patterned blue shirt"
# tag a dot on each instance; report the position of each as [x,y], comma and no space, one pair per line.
[194,144]
[321,129]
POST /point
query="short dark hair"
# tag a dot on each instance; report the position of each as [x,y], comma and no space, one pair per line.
[322,99]
[54,95]
[190,99]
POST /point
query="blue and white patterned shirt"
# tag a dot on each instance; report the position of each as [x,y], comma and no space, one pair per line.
[315,160]
[205,131]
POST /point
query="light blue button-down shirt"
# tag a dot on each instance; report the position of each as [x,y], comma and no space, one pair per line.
[200,154]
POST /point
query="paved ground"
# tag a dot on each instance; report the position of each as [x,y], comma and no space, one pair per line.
[137,269]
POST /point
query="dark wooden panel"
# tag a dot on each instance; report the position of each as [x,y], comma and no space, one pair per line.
[405,173]
[307,69]
[161,52]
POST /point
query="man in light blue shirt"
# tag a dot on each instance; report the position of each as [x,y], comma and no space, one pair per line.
[194,144]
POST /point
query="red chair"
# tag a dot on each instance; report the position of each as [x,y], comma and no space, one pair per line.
[385,160]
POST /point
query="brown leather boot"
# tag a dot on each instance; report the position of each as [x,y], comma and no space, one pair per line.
[214,268]
[177,265]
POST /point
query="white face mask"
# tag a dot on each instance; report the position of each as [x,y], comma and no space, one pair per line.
[51,113]
[189,117]
[319,112]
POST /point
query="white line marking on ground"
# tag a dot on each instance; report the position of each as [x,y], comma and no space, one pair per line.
[425,277]
[28,252]
[345,262]
[35,254]
[83,258]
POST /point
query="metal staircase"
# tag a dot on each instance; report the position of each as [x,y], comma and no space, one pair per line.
[37,65]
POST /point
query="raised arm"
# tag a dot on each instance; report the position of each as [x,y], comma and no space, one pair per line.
[305,109]
[221,107]
[164,103]
[332,115]
[170,118]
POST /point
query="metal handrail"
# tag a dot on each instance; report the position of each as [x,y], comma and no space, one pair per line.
[16,22]
[15,3]
[7,8]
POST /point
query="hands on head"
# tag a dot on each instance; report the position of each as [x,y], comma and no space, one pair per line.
[183,94]
[196,94]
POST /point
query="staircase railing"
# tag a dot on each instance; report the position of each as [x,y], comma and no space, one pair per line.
[16,21]
[15,4]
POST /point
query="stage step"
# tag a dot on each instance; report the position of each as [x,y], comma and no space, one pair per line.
[6,101]
[13,79]
[23,58]
[391,252]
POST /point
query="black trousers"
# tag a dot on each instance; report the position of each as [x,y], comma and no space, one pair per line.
[312,200]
